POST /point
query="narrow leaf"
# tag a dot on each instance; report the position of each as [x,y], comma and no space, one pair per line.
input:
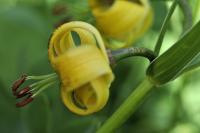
[193,65]
[171,63]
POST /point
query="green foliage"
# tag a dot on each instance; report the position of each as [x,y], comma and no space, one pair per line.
[25,27]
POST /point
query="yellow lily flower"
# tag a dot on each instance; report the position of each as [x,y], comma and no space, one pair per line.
[84,70]
[122,22]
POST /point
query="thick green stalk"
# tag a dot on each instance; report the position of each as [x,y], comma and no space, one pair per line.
[127,108]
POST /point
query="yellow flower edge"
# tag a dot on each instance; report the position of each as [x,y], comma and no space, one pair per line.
[84,70]
[123,22]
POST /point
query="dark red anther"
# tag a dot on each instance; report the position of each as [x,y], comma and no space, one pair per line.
[25,101]
[23,92]
[17,83]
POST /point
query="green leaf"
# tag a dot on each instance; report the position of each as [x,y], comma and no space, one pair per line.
[37,116]
[9,114]
[23,41]
[193,65]
[172,62]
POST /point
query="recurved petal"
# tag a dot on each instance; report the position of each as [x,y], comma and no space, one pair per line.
[80,65]
[62,40]
[88,98]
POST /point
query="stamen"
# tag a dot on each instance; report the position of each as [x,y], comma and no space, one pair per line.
[25,101]
[18,83]
[43,87]
[42,76]
[28,93]
[23,92]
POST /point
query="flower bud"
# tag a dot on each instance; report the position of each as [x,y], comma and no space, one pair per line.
[122,22]
[83,68]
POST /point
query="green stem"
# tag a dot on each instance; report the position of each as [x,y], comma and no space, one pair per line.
[132,51]
[127,108]
[187,12]
[164,27]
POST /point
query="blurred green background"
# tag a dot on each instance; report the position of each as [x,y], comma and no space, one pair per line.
[25,27]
